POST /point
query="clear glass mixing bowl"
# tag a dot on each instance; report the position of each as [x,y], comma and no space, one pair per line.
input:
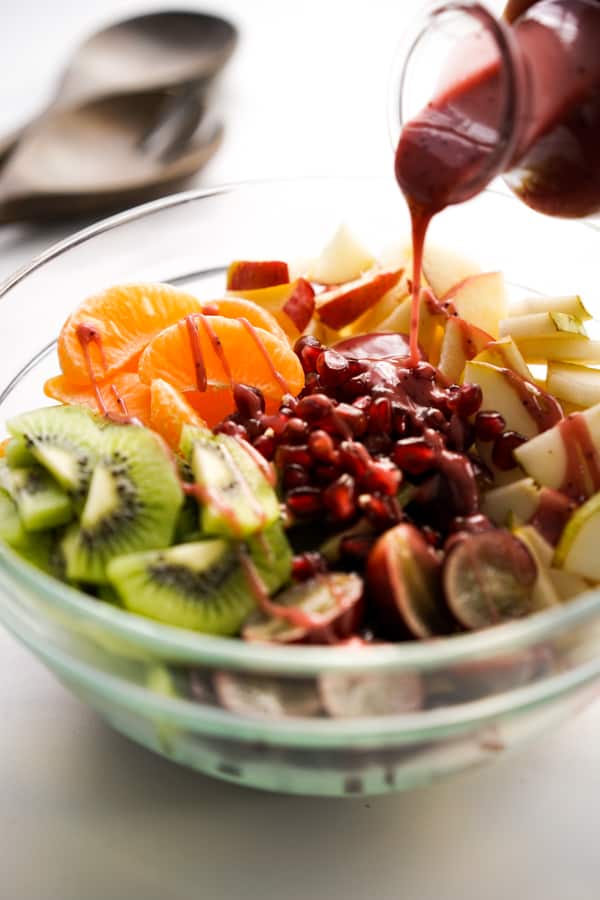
[313,720]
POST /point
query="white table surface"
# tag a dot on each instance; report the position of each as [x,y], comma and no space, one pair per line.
[86,815]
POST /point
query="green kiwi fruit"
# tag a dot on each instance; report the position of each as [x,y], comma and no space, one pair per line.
[132,503]
[201,585]
[63,439]
[17,453]
[12,531]
[239,499]
[41,503]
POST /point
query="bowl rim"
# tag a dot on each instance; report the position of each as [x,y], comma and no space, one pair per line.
[181,644]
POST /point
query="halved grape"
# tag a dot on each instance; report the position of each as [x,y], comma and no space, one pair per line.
[351,695]
[489,579]
[249,694]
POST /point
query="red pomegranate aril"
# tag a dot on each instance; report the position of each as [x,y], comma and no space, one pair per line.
[304,501]
[433,418]
[467,400]
[314,407]
[321,445]
[266,444]
[289,453]
[308,349]
[379,444]
[325,473]
[295,431]
[502,451]
[254,427]
[332,368]
[356,546]
[355,419]
[382,512]
[277,422]
[339,498]
[234,429]
[312,384]
[383,477]
[355,458]
[248,400]
[489,425]
[363,403]
[380,416]
[357,386]
[430,534]
[289,402]
[307,565]
[294,476]
[399,420]
[414,455]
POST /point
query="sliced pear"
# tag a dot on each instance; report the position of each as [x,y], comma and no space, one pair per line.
[544,457]
[507,393]
[431,327]
[373,318]
[481,300]
[444,268]
[515,503]
[505,354]
[343,258]
[461,342]
[396,254]
[575,384]
[572,305]
[566,584]
[537,325]
[544,592]
[577,550]
[577,348]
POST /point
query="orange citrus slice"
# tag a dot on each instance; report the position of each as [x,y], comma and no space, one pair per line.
[238,307]
[124,386]
[170,411]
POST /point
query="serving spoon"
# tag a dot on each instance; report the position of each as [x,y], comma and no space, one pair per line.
[108,153]
[146,53]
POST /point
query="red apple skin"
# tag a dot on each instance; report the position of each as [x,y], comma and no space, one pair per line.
[300,305]
[341,305]
[245,275]
[404,612]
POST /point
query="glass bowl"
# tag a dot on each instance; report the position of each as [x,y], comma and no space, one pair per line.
[309,720]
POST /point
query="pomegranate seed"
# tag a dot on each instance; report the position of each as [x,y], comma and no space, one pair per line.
[414,455]
[356,546]
[432,536]
[433,418]
[383,477]
[467,400]
[321,445]
[399,420]
[339,498]
[380,416]
[424,371]
[325,473]
[363,403]
[358,386]
[265,444]
[502,451]
[296,431]
[459,434]
[333,368]
[276,422]
[287,454]
[306,565]
[314,407]
[254,427]
[308,349]
[248,400]
[354,418]
[294,476]
[312,384]
[304,501]
[382,512]
[489,425]
[289,402]
[228,426]
[355,458]
[379,444]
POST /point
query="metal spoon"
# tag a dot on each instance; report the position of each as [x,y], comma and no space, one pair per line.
[105,154]
[146,53]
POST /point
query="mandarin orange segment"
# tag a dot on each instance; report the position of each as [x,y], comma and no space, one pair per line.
[120,322]
[124,386]
[170,411]
[253,356]
[239,307]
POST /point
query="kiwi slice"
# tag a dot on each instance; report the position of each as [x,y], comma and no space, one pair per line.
[132,504]
[41,502]
[63,439]
[17,453]
[12,531]
[237,499]
[200,585]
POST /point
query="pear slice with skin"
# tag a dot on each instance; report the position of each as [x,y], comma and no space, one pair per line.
[577,550]
[566,584]
[539,325]
[343,258]
[576,348]
[544,592]
[572,305]
[579,385]
[444,268]
[505,354]
[516,502]
[481,300]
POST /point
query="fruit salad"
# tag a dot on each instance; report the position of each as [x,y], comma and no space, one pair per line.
[271,464]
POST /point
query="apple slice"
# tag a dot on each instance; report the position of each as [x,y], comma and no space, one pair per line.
[505,354]
[544,593]
[431,326]
[575,384]
[517,502]
[560,349]
[373,318]
[342,259]
[254,274]
[577,551]
[300,305]
[481,300]
[340,306]
[538,325]
[571,305]
[566,584]
[524,407]
[444,269]
[545,457]
[461,342]
[275,298]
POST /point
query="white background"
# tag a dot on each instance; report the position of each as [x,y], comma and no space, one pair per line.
[84,814]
